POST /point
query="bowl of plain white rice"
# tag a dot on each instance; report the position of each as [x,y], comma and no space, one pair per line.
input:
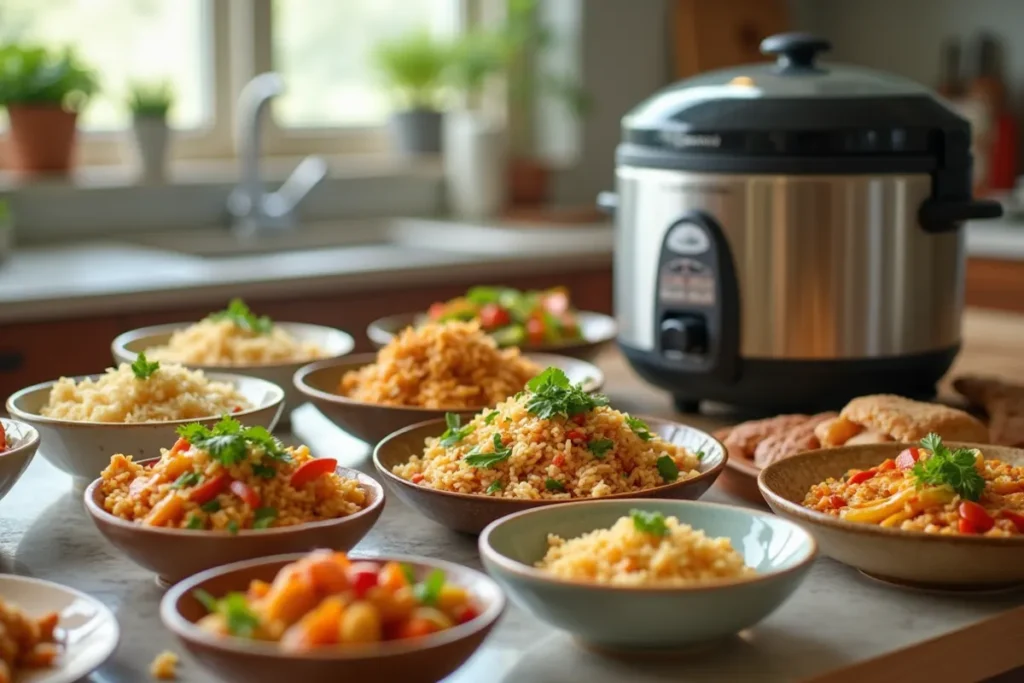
[83,421]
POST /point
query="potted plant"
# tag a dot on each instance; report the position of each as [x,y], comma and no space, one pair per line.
[149,104]
[44,91]
[413,66]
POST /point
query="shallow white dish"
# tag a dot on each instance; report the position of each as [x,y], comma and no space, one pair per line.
[83,449]
[24,440]
[88,630]
[336,343]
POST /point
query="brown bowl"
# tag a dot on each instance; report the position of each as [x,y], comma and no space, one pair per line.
[420,660]
[174,554]
[911,558]
[740,479]
[371,422]
[597,330]
[470,513]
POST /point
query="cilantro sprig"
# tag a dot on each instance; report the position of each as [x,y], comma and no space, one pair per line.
[428,591]
[455,431]
[649,522]
[478,458]
[554,485]
[600,447]
[143,369]
[242,316]
[551,394]
[234,607]
[667,468]
[639,428]
[229,442]
[953,468]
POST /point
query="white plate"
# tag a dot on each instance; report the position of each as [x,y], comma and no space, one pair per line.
[89,630]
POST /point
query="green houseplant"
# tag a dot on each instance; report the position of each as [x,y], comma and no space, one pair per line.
[149,104]
[43,92]
[413,66]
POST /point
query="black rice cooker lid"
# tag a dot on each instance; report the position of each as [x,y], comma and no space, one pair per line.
[796,115]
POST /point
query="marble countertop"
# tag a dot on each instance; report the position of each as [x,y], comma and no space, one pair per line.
[837,619]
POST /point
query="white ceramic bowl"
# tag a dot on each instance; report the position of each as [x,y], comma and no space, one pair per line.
[336,343]
[24,441]
[83,449]
[90,629]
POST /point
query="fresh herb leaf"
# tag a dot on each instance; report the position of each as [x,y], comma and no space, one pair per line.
[649,522]
[240,314]
[263,471]
[454,434]
[552,394]
[240,619]
[185,480]
[953,468]
[194,522]
[232,527]
[408,573]
[495,486]
[429,590]
[553,485]
[229,442]
[207,600]
[700,455]
[600,447]
[667,468]
[210,506]
[143,369]
[639,427]
[490,417]
[477,458]
[264,517]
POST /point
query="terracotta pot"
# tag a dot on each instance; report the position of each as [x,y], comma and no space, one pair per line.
[528,182]
[42,138]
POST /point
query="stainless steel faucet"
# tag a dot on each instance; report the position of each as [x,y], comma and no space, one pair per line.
[252,208]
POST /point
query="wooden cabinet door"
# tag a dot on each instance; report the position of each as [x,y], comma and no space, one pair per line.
[712,34]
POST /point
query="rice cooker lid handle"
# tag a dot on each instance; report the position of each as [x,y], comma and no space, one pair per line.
[795,51]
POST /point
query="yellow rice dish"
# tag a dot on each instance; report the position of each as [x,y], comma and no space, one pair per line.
[452,365]
[235,337]
[644,549]
[229,478]
[551,441]
[142,392]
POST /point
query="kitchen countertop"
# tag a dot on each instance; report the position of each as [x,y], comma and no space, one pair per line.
[837,622]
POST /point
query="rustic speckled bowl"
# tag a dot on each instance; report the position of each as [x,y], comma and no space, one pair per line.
[419,660]
[24,441]
[371,422]
[83,449]
[639,618]
[597,331]
[904,557]
[470,513]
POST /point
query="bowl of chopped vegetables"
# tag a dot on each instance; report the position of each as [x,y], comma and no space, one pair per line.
[325,617]
[18,443]
[532,320]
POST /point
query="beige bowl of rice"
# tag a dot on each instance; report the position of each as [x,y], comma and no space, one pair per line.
[84,420]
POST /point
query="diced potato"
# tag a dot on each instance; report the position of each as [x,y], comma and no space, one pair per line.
[361,623]
[327,575]
[435,616]
[258,589]
[290,596]
[392,577]
[166,511]
[176,465]
[317,627]
[451,597]
[392,606]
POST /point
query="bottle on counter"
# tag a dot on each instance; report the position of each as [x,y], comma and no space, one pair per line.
[953,87]
[998,166]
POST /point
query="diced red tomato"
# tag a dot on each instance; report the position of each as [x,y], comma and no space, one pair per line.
[236,409]
[247,493]
[180,446]
[556,302]
[558,460]
[312,469]
[887,464]
[466,613]
[209,489]
[574,434]
[1017,519]
[580,419]
[363,576]
[860,477]
[493,316]
[976,515]
[966,527]
[907,457]
[535,331]
[417,478]
[416,628]
[836,502]
[436,310]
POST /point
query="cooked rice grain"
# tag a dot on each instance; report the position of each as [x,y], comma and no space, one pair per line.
[223,343]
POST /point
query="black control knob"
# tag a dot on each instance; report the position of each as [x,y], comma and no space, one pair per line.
[684,335]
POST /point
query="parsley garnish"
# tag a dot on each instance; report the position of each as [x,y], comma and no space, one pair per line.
[229,442]
[649,522]
[234,607]
[264,517]
[263,471]
[553,485]
[143,369]
[232,527]
[429,590]
[949,468]
[490,417]
[667,468]
[476,458]
[240,314]
[211,506]
[195,521]
[600,447]
[639,427]
[408,573]
[454,433]
[185,480]
[552,394]
[495,486]
[700,455]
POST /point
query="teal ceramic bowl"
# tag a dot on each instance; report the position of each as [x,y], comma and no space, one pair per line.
[623,618]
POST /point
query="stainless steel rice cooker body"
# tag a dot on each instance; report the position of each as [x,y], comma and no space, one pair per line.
[788,235]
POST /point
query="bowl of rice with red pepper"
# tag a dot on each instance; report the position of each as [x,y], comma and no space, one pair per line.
[937,514]
[551,442]
[234,489]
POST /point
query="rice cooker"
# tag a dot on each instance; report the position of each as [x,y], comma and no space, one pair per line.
[789,234]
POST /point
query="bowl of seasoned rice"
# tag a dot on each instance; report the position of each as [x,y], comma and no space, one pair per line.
[628,575]
[135,408]
[424,373]
[237,340]
[551,443]
[226,493]
[18,444]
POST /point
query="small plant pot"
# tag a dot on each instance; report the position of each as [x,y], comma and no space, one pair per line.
[529,182]
[416,132]
[42,138]
[151,141]
[474,164]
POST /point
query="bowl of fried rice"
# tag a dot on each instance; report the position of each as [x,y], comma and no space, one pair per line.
[423,374]
[551,443]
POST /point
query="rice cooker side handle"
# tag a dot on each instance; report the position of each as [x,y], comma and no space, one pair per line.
[936,215]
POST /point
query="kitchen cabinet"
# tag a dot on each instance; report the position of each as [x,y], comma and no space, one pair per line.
[995,284]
